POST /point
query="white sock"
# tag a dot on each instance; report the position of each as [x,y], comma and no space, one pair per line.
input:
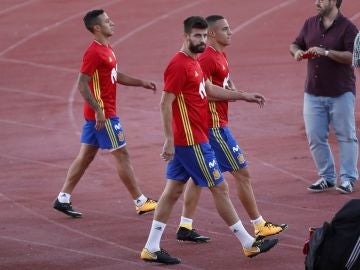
[257,221]
[153,242]
[244,237]
[186,222]
[64,197]
[141,200]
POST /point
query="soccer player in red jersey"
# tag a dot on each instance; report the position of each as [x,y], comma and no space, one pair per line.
[187,150]
[102,128]
[227,151]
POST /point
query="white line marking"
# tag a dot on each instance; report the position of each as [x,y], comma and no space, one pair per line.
[146,25]
[355,17]
[17,6]
[85,253]
[37,65]
[49,27]
[31,93]
[262,14]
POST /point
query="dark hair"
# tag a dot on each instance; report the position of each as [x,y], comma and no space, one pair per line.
[91,19]
[213,19]
[338,3]
[194,22]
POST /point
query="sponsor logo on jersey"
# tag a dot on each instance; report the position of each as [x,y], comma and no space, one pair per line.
[216,174]
[241,158]
[121,136]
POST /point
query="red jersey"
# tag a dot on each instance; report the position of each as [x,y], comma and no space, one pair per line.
[215,68]
[99,62]
[184,78]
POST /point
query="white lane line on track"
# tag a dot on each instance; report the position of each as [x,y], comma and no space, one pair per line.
[50,27]
[79,252]
[50,164]
[262,14]
[68,228]
[17,123]
[355,17]
[31,93]
[159,18]
[17,6]
[45,218]
[37,65]
[274,167]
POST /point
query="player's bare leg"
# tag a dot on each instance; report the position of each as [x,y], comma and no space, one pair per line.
[126,171]
[77,169]
[245,192]
[169,197]
[127,175]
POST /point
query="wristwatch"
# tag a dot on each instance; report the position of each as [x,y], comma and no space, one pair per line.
[326,52]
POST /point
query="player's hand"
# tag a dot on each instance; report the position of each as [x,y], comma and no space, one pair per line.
[100,119]
[149,85]
[168,150]
[255,98]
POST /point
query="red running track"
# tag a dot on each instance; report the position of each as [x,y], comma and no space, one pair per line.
[41,116]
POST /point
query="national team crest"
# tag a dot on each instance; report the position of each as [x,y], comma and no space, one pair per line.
[121,136]
[241,158]
[216,174]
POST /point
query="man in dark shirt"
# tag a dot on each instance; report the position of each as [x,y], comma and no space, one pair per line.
[327,41]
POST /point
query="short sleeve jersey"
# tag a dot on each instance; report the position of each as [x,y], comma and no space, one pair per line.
[99,62]
[184,78]
[215,67]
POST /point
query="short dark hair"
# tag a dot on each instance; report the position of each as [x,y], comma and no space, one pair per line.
[338,3]
[194,22]
[91,19]
[214,18]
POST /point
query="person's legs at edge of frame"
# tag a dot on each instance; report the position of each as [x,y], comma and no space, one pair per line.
[317,122]
[230,158]
[343,121]
[111,138]
[199,160]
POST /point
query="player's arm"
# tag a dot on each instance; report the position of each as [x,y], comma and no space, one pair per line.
[85,91]
[232,85]
[125,79]
[214,91]
[166,117]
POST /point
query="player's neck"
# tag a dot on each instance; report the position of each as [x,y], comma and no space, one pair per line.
[187,52]
[217,47]
[102,40]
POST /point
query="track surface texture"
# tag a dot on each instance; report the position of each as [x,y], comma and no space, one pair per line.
[41,118]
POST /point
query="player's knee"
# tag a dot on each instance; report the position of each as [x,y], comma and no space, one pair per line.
[242,176]
[221,189]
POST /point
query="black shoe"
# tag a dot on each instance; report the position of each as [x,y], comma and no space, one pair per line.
[320,185]
[161,256]
[260,246]
[66,208]
[184,234]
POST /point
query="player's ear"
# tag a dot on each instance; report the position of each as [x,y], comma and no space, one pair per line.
[211,33]
[96,27]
